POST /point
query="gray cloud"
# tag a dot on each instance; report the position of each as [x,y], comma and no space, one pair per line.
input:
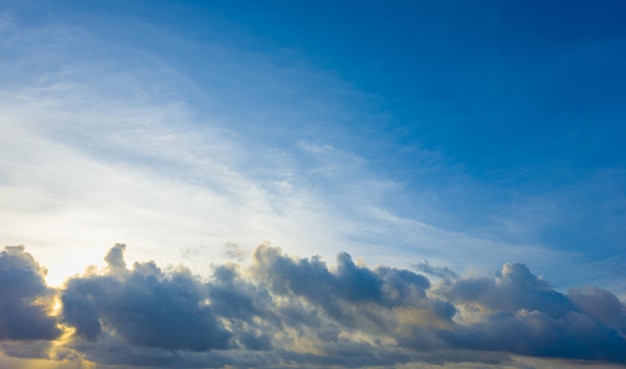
[536,333]
[601,305]
[440,272]
[513,288]
[339,294]
[24,298]
[143,306]
[281,311]
[524,315]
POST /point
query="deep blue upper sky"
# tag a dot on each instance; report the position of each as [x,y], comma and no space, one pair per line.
[521,98]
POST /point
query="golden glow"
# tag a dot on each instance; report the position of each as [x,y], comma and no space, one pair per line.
[64,265]
[18,363]
[421,318]
[56,306]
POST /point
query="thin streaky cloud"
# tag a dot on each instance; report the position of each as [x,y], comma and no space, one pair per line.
[126,143]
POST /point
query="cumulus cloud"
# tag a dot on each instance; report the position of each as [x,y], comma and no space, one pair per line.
[535,333]
[143,306]
[522,314]
[282,311]
[601,305]
[25,299]
[513,288]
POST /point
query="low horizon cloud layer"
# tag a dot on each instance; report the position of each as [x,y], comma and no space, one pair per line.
[276,310]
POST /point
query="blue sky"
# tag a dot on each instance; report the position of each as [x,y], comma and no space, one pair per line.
[448,138]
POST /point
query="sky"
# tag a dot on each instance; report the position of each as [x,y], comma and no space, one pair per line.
[280,184]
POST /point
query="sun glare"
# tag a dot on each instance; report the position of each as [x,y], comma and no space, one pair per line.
[61,267]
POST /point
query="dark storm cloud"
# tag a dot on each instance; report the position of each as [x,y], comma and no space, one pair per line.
[144,307]
[281,311]
[339,293]
[601,305]
[247,307]
[31,349]
[236,298]
[526,316]
[24,298]
[514,288]
[535,333]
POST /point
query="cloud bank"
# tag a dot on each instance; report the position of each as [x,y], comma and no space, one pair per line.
[276,310]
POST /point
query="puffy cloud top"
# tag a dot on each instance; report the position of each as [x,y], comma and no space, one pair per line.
[143,307]
[24,298]
[284,311]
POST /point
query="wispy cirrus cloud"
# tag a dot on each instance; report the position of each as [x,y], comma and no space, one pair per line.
[89,147]
[115,143]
